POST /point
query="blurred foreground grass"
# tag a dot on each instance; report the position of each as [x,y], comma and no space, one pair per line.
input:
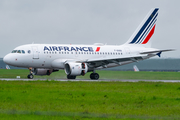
[89,100]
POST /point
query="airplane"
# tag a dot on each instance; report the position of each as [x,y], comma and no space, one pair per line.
[77,60]
[7,67]
[136,69]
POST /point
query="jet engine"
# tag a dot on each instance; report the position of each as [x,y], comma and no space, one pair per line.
[40,71]
[75,69]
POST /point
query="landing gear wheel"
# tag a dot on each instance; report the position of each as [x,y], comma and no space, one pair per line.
[71,77]
[30,76]
[94,76]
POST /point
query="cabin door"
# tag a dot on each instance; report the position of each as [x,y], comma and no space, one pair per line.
[35,52]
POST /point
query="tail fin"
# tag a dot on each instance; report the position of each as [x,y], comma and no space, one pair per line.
[145,30]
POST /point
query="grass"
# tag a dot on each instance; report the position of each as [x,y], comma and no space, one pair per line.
[89,100]
[12,73]
[51,99]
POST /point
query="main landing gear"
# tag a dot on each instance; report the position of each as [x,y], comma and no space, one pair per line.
[30,76]
[94,76]
[71,77]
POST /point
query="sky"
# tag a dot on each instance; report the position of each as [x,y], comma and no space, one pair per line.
[110,22]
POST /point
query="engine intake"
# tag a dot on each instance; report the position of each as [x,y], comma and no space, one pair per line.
[75,69]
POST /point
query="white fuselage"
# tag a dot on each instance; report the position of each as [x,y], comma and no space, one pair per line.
[53,56]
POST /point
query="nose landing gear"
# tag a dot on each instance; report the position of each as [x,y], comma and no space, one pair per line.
[30,76]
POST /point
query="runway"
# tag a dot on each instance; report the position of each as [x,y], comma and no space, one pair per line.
[88,80]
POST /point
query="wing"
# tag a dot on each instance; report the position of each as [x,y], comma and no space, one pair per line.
[112,62]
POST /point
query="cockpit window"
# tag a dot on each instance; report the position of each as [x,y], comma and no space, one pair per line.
[23,51]
[18,51]
[14,51]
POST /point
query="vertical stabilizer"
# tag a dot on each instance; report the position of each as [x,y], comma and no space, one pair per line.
[145,30]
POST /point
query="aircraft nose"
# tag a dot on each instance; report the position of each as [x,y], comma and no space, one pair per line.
[7,59]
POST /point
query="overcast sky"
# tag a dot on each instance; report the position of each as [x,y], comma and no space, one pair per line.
[86,22]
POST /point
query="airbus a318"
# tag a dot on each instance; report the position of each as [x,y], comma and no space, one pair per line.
[77,60]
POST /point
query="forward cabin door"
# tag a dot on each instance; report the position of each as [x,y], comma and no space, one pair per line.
[35,52]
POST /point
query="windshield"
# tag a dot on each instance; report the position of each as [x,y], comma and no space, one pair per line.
[18,51]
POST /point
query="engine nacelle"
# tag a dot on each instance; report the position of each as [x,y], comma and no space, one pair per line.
[40,71]
[75,69]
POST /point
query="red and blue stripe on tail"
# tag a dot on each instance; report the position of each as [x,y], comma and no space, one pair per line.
[146,29]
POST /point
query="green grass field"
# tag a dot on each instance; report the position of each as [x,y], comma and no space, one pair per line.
[51,99]
[12,73]
[87,100]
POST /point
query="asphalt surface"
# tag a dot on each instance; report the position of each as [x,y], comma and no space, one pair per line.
[88,80]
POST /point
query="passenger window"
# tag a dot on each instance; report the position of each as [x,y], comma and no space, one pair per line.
[29,51]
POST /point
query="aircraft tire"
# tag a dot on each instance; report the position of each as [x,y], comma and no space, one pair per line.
[94,76]
[71,77]
[30,76]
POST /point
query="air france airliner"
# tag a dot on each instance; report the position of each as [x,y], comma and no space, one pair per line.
[77,60]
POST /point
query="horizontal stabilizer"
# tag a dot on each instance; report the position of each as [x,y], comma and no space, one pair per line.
[156,51]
